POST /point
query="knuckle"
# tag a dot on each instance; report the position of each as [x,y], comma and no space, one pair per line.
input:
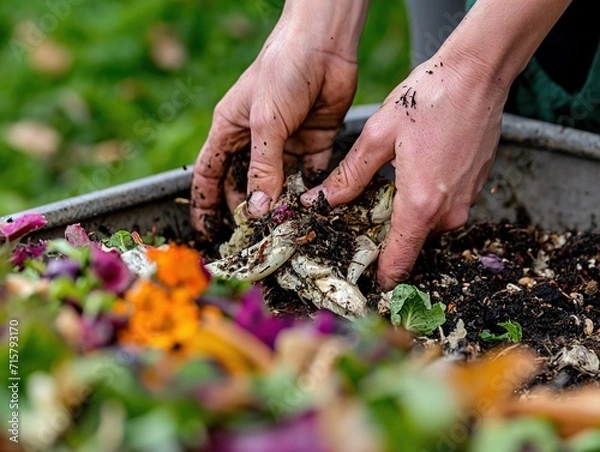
[263,122]
[258,124]
[220,111]
[427,204]
[346,174]
[221,119]
[457,219]
[376,132]
[260,168]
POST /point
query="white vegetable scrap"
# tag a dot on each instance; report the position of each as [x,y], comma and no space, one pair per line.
[456,335]
[261,259]
[321,285]
[365,254]
[315,279]
[138,263]
[579,357]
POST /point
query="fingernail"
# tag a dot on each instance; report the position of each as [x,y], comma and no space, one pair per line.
[258,204]
[312,195]
[386,284]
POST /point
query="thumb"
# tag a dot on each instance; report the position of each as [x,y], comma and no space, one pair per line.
[354,172]
[265,173]
[402,246]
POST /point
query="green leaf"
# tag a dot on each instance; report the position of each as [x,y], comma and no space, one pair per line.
[412,309]
[516,435]
[154,431]
[64,248]
[97,301]
[513,329]
[585,442]
[153,239]
[514,333]
[122,240]
[6,250]
[227,287]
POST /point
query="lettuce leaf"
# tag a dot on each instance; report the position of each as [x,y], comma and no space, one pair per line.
[412,309]
[121,240]
[514,333]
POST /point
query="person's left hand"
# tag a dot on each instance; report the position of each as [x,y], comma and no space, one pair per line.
[440,129]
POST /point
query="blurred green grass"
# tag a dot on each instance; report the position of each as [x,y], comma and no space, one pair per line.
[97,93]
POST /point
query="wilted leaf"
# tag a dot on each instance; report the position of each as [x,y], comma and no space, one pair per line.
[20,227]
[514,333]
[412,309]
[492,263]
[76,235]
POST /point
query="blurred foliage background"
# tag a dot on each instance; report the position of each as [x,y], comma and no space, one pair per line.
[95,93]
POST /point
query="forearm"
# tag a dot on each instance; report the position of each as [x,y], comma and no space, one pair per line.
[503,35]
[331,25]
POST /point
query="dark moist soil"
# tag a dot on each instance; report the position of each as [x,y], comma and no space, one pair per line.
[554,305]
[548,282]
[557,306]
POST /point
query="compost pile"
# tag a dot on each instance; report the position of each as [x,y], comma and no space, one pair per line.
[317,252]
[135,346]
[499,283]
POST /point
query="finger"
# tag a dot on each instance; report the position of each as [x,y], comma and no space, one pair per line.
[236,181]
[224,138]
[235,193]
[290,164]
[315,145]
[355,171]
[265,174]
[403,243]
[318,162]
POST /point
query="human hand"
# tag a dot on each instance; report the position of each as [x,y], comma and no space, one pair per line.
[289,104]
[440,129]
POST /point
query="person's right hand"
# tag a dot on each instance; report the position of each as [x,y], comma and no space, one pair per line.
[289,104]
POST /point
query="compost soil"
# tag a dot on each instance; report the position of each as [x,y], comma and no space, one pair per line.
[548,282]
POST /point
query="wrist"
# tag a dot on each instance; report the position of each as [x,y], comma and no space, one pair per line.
[332,26]
[499,38]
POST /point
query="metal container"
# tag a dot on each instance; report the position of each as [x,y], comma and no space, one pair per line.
[544,174]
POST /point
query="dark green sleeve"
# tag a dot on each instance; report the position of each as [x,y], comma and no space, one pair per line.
[535,95]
